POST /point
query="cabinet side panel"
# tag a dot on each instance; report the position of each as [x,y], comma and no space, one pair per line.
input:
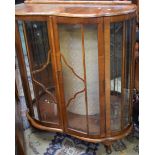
[37,55]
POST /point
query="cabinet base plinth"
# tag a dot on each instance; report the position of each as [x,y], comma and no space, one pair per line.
[107,141]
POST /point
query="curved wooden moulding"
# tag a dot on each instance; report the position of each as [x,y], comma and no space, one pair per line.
[101,14]
[76,2]
[40,125]
[120,135]
[72,10]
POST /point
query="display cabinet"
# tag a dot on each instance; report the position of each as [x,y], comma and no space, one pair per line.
[76,63]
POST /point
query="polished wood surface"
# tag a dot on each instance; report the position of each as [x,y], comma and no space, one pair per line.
[120,135]
[77,2]
[55,71]
[38,125]
[107,72]
[101,76]
[102,16]
[72,10]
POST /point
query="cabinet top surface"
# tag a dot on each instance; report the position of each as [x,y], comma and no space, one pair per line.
[74,10]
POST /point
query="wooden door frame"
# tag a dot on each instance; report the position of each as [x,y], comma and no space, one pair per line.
[110,20]
[24,73]
[99,23]
[52,22]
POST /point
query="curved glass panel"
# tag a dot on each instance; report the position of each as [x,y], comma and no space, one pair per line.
[116,33]
[120,84]
[37,55]
[79,59]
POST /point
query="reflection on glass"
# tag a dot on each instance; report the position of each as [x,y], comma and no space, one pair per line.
[119,110]
[92,79]
[20,25]
[116,31]
[70,38]
[19,86]
[41,70]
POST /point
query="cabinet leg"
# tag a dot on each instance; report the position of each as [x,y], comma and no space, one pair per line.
[108,149]
[108,145]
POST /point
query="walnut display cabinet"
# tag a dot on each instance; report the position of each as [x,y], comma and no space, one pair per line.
[76,65]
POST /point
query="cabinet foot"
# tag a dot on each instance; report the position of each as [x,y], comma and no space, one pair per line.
[108,149]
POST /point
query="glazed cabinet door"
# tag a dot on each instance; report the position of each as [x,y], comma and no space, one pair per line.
[36,55]
[122,41]
[80,59]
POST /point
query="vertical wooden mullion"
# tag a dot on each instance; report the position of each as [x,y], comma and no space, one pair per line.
[59,73]
[23,71]
[115,65]
[123,76]
[85,78]
[101,76]
[129,74]
[30,66]
[107,72]
[132,69]
[54,67]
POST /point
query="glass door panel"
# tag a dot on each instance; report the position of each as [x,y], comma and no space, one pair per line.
[79,61]
[120,58]
[38,60]
[116,33]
